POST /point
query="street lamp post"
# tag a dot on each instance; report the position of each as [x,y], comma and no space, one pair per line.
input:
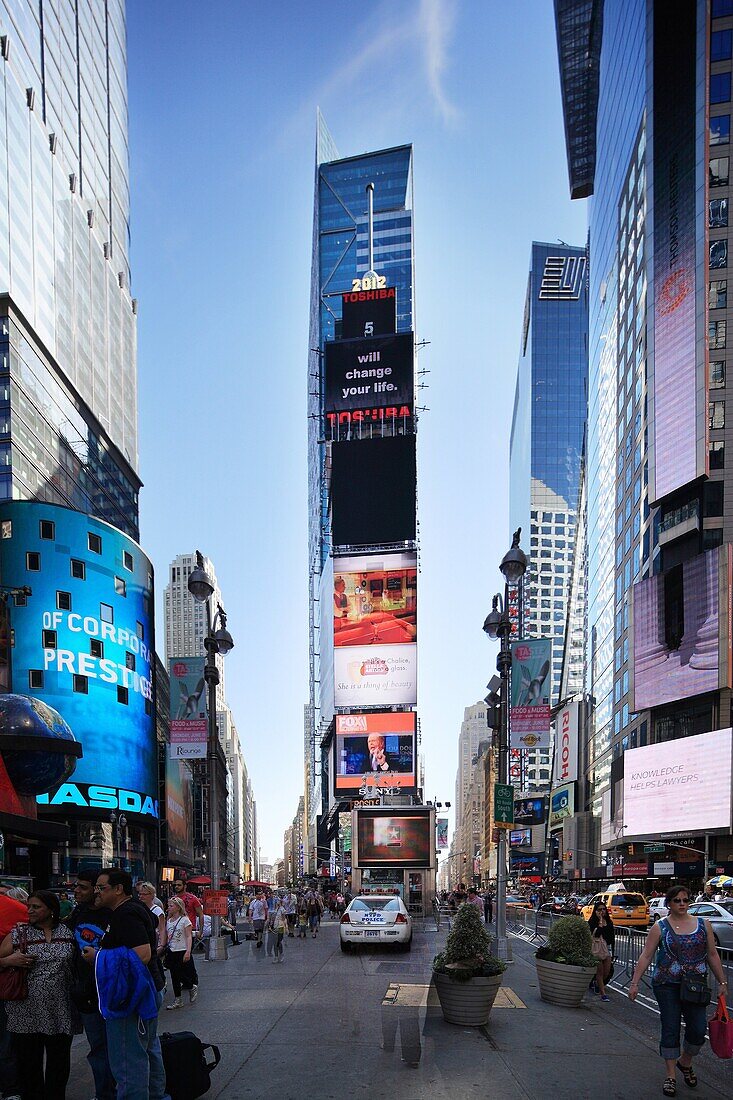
[218,640]
[498,625]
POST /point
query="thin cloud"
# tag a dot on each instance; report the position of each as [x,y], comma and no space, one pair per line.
[436,27]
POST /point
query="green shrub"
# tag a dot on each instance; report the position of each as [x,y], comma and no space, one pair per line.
[568,941]
[467,949]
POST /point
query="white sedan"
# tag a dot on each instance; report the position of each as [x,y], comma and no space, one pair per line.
[376,919]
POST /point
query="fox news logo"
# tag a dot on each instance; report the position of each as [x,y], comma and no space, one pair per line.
[562,279]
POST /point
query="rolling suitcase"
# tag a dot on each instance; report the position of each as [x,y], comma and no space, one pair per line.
[187,1073]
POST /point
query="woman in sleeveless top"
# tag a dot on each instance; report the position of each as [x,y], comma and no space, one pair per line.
[685,947]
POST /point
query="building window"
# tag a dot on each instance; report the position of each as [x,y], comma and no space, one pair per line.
[716,414]
[717,215]
[127,560]
[96,648]
[712,537]
[95,541]
[717,454]
[6,529]
[122,695]
[712,499]
[718,294]
[721,45]
[120,586]
[140,631]
[47,529]
[63,601]
[49,639]
[78,569]
[35,678]
[81,684]
[718,175]
[717,374]
[717,334]
[720,130]
[722,8]
[720,87]
[33,561]
[106,613]
[130,661]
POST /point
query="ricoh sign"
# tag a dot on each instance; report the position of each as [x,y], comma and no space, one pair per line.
[566,745]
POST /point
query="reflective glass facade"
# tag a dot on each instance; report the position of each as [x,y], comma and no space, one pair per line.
[64,199]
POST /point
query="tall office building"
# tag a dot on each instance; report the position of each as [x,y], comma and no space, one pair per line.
[546,448]
[185,617]
[646,94]
[468,814]
[354,440]
[67,323]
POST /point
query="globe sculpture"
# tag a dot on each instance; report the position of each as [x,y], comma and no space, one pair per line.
[38,767]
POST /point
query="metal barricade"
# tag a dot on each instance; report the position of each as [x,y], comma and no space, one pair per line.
[628,946]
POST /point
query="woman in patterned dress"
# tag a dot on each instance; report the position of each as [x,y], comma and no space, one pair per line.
[42,1026]
[684,947]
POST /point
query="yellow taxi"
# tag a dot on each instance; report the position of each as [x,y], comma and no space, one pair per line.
[626,908]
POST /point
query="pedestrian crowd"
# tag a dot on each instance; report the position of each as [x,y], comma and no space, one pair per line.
[285,914]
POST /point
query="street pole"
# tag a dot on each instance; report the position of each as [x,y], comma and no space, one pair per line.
[217,946]
[503,666]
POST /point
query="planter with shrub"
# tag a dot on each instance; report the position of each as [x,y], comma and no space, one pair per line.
[566,965]
[466,974]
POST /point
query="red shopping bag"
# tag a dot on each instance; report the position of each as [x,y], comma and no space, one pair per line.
[721,1031]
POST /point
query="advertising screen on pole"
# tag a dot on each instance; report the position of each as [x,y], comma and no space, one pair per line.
[189,725]
[679,639]
[678,786]
[376,742]
[678,416]
[368,312]
[373,491]
[391,836]
[442,832]
[369,381]
[531,682]
[84,645]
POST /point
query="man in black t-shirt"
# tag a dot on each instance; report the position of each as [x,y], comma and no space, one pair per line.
[132,1043]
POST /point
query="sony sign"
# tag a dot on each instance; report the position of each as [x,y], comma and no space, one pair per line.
[566,745]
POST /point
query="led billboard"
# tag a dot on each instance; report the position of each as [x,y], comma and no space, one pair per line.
[562,804]
[369,381]
[678,416]
[390,836]
[678,635]
[530,811]
[375,675]
[373,491]
[368,312]
[84,645]
[678,786]
[382,743]
[375,599]
[179,810]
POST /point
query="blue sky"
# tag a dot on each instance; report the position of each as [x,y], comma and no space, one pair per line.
[222,101]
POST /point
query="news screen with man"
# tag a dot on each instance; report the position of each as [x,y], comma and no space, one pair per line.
[378,743]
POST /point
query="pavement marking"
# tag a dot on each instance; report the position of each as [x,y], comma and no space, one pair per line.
[426,996]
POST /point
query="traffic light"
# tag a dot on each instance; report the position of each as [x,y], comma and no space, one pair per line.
[493,710]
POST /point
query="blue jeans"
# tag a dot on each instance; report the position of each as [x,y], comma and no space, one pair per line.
[96,1033]
[672,1010]
[135,1059]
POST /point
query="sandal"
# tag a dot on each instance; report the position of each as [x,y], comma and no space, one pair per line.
[669,1088]
[689,1075]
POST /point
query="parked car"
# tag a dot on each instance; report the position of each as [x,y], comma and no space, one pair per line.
[377,919]
[720,915]
[626,909]
[657,909]
[554,905]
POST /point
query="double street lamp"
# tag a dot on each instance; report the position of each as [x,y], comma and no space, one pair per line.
[218,641]
[499,625]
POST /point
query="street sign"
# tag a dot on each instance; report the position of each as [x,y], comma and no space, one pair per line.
[650,848]
[215,903]
[503,806]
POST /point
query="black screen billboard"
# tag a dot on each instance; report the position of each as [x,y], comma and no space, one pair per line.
[373,488]
[368,313]
[369,381]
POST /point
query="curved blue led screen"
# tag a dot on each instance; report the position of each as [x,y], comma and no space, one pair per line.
[83,642]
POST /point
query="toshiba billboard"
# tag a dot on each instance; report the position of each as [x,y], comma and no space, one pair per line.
[566,745]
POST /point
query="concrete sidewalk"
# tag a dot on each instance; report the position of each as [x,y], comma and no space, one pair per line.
[329,1025]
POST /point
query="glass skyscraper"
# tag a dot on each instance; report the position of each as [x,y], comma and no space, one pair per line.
[547,445]
[639,81]
[340,255]
[68,378]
